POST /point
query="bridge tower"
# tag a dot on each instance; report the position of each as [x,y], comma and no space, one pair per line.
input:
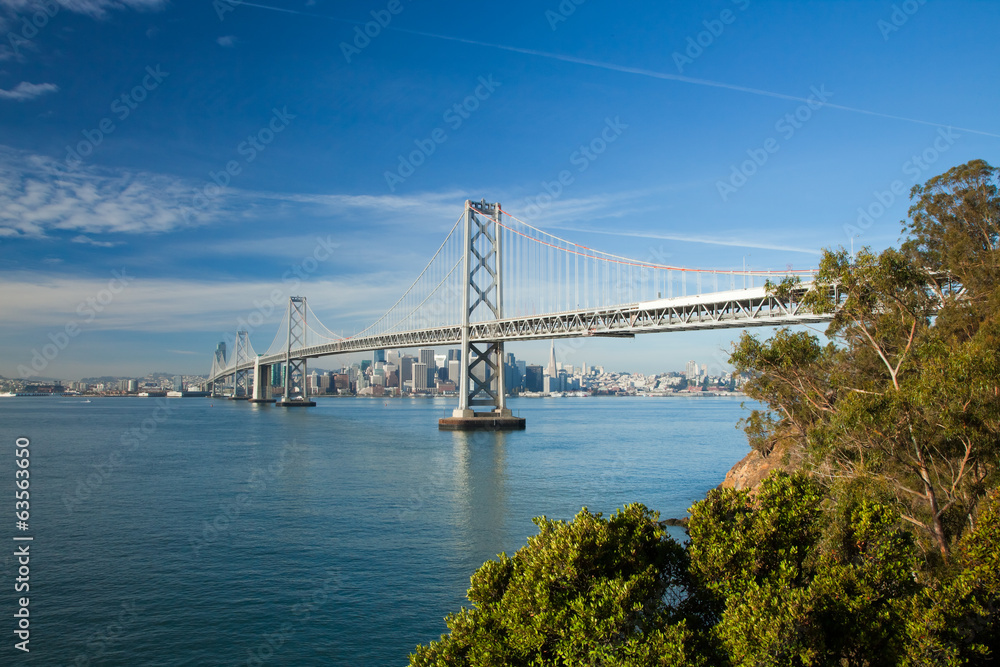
[482,373]
[241,378]
[296,339]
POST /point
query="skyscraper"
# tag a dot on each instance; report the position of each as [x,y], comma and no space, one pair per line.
[419,375]
[552,370]
[533,378]
[406,368]
[427,357]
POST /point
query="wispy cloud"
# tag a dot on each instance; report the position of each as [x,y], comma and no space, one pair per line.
[41,197]
[95,8]
[35,300]
[86,240]
[228,41]
[12,11]
[25,91]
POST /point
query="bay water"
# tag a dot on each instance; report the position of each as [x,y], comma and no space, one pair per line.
[196,531]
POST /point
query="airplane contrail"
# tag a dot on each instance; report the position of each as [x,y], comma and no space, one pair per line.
[691,239]
[634,70]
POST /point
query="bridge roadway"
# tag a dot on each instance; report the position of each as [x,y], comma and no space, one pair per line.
[741,308]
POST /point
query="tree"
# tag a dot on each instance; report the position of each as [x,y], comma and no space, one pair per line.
[787,582]
[909,391]
[957,621]
[593,591]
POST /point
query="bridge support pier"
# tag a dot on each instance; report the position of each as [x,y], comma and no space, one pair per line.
[261,383]
[482,379]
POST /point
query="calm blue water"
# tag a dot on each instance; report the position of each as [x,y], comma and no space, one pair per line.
[201,532]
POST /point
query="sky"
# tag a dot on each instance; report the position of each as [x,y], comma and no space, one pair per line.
[168,169]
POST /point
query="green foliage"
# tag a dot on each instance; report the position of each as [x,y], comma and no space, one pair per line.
[783,577]
[909,393]
[779,597]
[591,591]
[957,621]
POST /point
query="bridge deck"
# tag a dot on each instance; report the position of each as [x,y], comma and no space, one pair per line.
[741,308]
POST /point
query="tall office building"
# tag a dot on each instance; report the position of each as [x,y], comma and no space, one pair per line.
[419,376]
[553,369]
[427,357]
[379,355]
[455,370]
[533,378]
[406,368]
[220,352]
[454,355]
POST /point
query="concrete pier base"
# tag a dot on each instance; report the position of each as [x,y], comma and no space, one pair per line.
[262,400]
[499,420]
[239,398]
[296,404]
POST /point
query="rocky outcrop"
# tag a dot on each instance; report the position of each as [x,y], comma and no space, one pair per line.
[753,468]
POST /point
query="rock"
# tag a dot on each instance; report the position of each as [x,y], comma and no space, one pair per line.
[753,468]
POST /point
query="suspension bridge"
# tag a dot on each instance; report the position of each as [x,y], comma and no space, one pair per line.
[497,279]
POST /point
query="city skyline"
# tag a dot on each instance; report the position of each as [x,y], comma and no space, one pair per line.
[170,171]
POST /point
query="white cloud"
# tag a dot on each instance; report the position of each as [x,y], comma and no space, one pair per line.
[13,12]
[41,197]
[25,91]
[86,240]
[36,300]
[95,8]
[227,41]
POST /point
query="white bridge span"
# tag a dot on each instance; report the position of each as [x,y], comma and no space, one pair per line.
[497,279]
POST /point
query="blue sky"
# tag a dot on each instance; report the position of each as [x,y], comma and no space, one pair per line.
[118,118]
